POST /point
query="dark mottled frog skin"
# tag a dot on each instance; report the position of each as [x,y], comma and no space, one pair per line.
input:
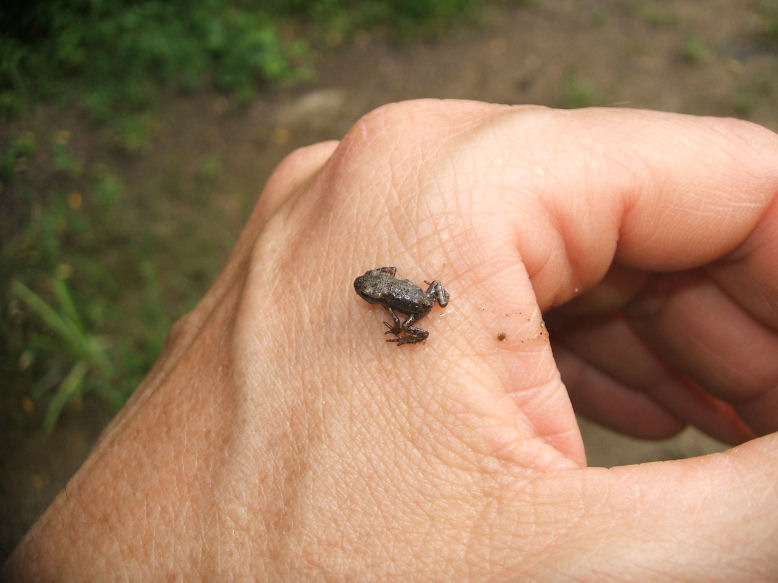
[380,286]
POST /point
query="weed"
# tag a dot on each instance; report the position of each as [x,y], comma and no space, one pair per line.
[67,326]
[577,92]
[210,168]
[15,157]
[62,159]
[694,51]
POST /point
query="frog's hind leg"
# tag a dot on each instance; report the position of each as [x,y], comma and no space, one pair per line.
[412,336]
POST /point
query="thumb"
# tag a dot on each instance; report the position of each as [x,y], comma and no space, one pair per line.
[711,518]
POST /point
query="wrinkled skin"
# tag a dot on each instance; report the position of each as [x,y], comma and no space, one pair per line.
[275,440]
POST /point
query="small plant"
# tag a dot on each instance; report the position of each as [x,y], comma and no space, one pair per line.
[86,350]
[15,157]
[694,52]
[62,159]
[577,92]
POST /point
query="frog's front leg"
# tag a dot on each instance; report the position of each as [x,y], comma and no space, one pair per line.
[437,292]
[398,326]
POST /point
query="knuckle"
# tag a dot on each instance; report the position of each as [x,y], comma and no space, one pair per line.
[391,126]
[297,163]
[182,330]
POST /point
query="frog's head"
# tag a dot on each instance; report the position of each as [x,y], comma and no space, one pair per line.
[365,286]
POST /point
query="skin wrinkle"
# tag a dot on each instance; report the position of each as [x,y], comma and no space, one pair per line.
[755,245]
[551,259]
[422,214]
[542,521]
[577,373]
[576,223]
[701,343]
[733,371]
[480,451]
[673,394]
[734,142]
[478,531]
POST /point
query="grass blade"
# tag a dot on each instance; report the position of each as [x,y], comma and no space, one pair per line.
[65,330]
[68,389]
[68,307]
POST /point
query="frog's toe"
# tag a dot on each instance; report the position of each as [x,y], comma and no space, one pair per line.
[392,329]
[405,340]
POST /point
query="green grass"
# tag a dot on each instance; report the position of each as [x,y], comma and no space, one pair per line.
[113,54]
[86,350]
[117,51]
[83,309]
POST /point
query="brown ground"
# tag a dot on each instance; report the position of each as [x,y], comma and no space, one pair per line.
[687,56]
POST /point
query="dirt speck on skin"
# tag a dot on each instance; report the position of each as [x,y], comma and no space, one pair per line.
[714,58]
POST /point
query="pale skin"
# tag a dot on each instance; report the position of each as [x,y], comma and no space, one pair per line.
[279,437]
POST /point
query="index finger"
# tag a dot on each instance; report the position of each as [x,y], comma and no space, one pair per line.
[692,201]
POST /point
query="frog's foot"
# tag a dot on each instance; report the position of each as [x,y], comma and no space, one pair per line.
[405,340]
[396,329]
[411,335]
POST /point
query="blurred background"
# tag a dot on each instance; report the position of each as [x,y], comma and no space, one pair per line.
[136,136]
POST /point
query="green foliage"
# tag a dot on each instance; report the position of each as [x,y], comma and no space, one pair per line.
[112,55]
[118,52]
[366,13]
[82,309]
[245,47]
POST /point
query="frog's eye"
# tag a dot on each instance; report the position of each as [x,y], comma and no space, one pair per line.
[388,270]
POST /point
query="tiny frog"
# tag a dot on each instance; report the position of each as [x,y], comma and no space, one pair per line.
[380,286]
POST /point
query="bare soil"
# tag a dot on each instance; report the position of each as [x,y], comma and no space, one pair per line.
[712,58]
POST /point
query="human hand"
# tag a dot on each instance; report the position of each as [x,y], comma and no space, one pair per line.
[280,438]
